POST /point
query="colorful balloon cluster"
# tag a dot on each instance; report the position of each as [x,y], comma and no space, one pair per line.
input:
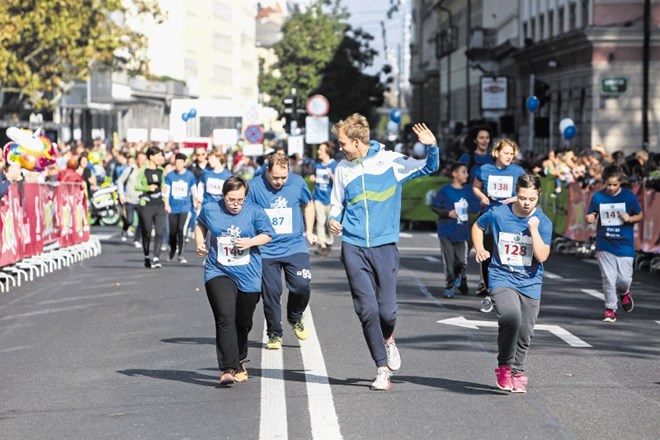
[567,128]
[31,151]
[189,115]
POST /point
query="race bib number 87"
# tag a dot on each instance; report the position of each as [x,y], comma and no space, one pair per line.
[281,219]
[515,249]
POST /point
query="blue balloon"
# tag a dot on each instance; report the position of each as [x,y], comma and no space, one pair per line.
[192,113]
[570,132]
[533,103]
[395,115]
[185,117]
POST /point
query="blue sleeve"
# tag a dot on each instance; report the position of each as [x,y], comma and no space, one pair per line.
[593,204]
[545,230]
[263,224]
[465,158]
[484,221]
[439,199]
[4,185]
[305,194]
[201,218]
[168,179]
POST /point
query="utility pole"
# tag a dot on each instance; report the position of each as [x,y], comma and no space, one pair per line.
[530,115]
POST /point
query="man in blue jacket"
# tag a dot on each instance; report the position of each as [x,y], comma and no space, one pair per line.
[366,209]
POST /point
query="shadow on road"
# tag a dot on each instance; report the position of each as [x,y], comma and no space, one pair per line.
[190,377]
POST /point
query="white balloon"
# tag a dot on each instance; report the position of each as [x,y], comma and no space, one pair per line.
[419,150]
[566,122]
[24,138]
[392,127]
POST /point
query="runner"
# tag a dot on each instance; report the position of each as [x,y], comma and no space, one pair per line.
[179,191]
[151,210]
[494,186]
[615,210]
[522,236]
[213,178]
[366,209]
[323,176]
[232,272]
[282,194]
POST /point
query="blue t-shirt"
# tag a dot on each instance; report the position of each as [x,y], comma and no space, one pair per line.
[513,264]
[181,186]
[499,183]
[450,198]
[323,185]
[211,182]
[612,234]
[224,260]
[283,207]
[479,160]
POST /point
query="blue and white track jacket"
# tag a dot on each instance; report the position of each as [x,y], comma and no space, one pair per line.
[366,195]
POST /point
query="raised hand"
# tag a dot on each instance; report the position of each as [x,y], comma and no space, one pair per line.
[424,134]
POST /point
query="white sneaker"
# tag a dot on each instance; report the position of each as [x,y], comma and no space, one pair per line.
[137,244]
[486,305]
[155,263]
[382,382]
[393,356]
[183,260]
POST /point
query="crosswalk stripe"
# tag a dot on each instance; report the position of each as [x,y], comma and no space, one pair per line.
[594,293]
[273,422]
[323,416]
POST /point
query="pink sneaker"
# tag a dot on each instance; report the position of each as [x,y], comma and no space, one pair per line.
[504,381]
[519,383]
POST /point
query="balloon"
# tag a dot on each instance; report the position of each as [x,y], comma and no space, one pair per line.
[192,113]
[570,132]
[30,151]
[419,150]
[566,122]
[185,117]
[532,103]
[395,115]
[392,127]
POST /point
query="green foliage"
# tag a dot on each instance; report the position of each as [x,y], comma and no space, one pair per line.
[320,53]
[45,45]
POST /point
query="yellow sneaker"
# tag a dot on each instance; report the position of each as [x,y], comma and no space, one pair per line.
[241,374]
[274,342]
[299,330]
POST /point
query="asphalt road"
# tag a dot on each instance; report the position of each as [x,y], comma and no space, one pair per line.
[108,349]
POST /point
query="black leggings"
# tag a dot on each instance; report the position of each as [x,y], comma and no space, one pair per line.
[232,311]
[178,226]
[152,214]
[128,216]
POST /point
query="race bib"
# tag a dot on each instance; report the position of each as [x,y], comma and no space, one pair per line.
[609,213]
[515,249]
[229,255]
[322,178]
[281,219]
[214,186]
[461,208]
[500,187]
[179,189]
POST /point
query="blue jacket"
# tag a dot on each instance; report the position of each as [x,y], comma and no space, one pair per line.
[366,195]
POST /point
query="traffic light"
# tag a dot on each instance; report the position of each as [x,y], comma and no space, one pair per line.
[542,91]
[290,111]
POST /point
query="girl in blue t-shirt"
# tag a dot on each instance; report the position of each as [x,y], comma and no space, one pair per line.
[232,271]
[615,211]
[212,179]
[522,236]
[494,186]
[477,155]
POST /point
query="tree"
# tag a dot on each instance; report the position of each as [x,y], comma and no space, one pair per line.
[320,53]
[46,45]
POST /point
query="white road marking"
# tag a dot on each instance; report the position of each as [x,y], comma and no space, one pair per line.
[591,262]
[273,422]
[556,330]
[322,414]
[405,235]
[47,311]
[594,293]
[552,276]
[432,259]
[103,237]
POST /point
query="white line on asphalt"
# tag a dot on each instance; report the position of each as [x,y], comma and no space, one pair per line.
[47,311]
[432,259]
[405,235]
[103,237]
[594,293]
[658,322]
[590,262]
[273,422]
[556,330]
[322,414]
[77,298]
[552,276]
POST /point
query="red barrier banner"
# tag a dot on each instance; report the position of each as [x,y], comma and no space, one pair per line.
[578,202]
[33,220]
[51,232]
[11,220]
[647,233]
[72,204]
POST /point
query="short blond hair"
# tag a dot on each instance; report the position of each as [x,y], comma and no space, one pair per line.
[355,126]
[505,142]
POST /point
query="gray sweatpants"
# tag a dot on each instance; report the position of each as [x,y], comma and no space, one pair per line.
[516,316]
[454,255]
[617,273]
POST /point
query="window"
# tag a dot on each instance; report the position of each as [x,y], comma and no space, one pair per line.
[571,17]
[551,24]
[560,12]
[541,27]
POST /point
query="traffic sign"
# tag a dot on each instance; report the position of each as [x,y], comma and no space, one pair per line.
[317,105]
[254,134]
[316,129]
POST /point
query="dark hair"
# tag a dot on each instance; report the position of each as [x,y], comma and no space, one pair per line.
[233,183]
[614,171]
[152,151]
[180,156]
[471,140]
[529,181]
[456,166]
[329,148]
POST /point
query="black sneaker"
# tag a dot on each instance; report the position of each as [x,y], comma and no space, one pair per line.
[482,290]
[147,262]
[627,302]
[463,287]
[156,264]
[170,257]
